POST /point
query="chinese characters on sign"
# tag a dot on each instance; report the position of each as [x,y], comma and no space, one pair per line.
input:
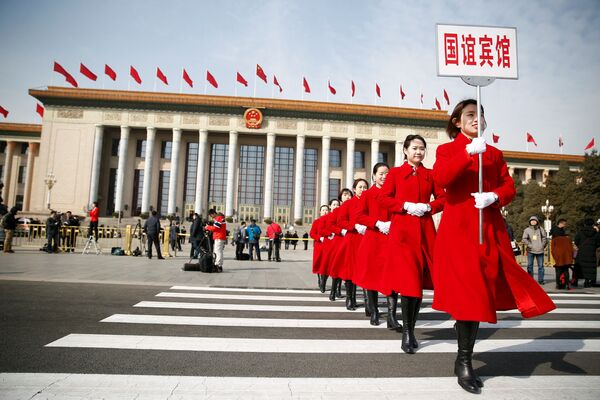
[477,51]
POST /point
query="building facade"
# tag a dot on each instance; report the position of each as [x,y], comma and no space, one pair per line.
[177,153]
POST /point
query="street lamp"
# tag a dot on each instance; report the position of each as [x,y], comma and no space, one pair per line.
[547,210]
[50,180]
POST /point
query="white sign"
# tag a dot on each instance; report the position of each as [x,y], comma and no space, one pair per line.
[485,51]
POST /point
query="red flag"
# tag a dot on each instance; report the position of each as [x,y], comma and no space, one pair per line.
[495,138]
[277,84]
[4,111]
[187,78]
[377,90]
[402,94]
[241,79]
[211,79]
[530,139]
[134,74]
[68,77]
[560,141]
[85,71]
[109,71]
[446,97]
[331,88]
[260,73]
[590,145]
[40,110]
[306,87]
[437,104]
[353,89]
[161,76]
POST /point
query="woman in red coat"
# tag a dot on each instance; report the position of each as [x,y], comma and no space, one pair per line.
[374,221]
[326,232]
[344,262]
[473,281]
[335,230]
[407,195]
[318,244]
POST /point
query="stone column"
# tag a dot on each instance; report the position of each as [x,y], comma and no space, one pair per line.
[233,137]
[528,174]
[374,152]
[325,169]
[399,156]
[33,147]
[96,164]
[123,144]
[8,159]
[545,175]
[511,171]
[148,161]
[349,162]
[299,178]
[202,142]
[269,162]
[172,203]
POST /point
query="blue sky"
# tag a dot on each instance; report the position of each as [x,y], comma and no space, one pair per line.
[388,42]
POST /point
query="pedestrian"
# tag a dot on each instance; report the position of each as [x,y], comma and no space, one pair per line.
[318,246]
[152,231]
[344,262]
[286,239]
[196,235]
[274,234]
[219,233]
[326,233]
[93,228]
[9,224]
[70,227]
[52,232]
[407,194]
[335,228]
[561,248]
[254,232]
[240,239]
[535,240]
[373,221]
[305,240]
[587,240]
[173,234]
[294,239]
[472,280]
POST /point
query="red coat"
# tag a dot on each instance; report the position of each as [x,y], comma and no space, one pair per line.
[472,282]
[407,269]
[344,261]
[274,230]
[317,246]
[218,228]
[94,212]
[329,246]
[369,261]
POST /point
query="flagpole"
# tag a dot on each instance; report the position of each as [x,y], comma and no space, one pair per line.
[254,95]
[205,87]
[155,77]
[235,90]
[181,81]
[129,82]
[273,91]
[303,89]
[328,90]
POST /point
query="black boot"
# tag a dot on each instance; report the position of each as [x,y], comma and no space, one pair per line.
[319,281]
[392,303]
[366,303]
[353,302]
[323,283]
[348,286]
[463,369]
[407,305]
[417,307]
[333,289]
[338,293]
[373,304]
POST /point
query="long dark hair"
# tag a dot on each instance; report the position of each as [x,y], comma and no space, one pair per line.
[451,129]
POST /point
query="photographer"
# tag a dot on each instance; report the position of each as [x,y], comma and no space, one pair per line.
[69,230]
[52,232]
[93,228]
[152,230]
[219,231]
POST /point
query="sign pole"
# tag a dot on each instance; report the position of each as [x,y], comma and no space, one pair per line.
[480,172]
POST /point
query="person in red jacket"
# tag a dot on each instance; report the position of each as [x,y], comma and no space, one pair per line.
[336,240]
[318,245]
[345,260]
[407,195]
[274,234]
[219,231]
[329,246]
[373,221]
[472,280]
[93,228]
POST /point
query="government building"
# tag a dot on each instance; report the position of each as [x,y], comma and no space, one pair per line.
[134,152]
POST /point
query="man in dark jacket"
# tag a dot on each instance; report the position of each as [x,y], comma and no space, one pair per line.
[152,230]
[196,235]
[9,224]
[587,241]
[70,225]
[52,232]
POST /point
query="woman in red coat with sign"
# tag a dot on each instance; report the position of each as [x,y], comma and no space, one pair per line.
[318,245]
[473,281]
[407,196]
[374,221]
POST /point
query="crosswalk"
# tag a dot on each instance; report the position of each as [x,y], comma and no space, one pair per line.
[277,343]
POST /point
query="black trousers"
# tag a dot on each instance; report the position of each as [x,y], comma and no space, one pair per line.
[239,249]
[274,246]
[562,276]
[93,229]
[153,239]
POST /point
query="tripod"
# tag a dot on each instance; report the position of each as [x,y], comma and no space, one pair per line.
[88,245]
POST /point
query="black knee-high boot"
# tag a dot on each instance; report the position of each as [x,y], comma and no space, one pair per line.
[466,332]
[319,281]
[407,304]
[332,293]
[348,286]
[417,307]
[392,304]
[338,293]
[353,302]
[323,283]
[374,305]
[366,303]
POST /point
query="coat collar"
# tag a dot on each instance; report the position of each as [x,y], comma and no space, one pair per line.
[406,170]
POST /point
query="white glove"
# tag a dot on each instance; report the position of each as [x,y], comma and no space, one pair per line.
[344,231]
[389,223]
[482,200]
[477,146]
[331,236]
[424,208]
[413,209]
[322,239]
[360,228]
[383,227]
